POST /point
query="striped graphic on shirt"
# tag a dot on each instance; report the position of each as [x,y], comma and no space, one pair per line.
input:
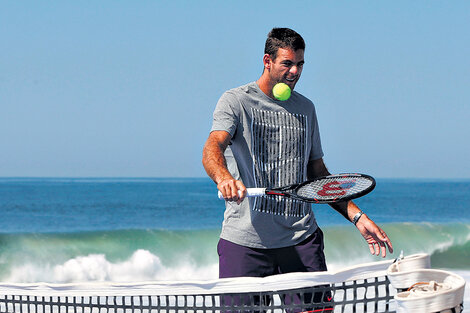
[279,158]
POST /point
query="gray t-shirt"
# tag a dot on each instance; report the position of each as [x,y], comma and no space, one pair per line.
[272,142]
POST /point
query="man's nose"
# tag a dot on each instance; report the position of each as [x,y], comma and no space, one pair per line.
[294,70]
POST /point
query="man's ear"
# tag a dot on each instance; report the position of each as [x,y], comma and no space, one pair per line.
[267,61]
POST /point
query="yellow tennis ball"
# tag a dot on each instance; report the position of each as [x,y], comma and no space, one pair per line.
[281,91]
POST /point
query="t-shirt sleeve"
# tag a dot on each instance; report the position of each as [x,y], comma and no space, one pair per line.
[316,152]
[226,114]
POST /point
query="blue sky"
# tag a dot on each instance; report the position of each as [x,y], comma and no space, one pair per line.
[127,88]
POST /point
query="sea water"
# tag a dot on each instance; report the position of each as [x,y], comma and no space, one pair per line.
[61,230]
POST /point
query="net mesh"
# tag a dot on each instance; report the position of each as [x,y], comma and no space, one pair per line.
[373,294]
[335,187]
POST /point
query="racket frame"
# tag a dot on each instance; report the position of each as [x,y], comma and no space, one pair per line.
[291,191]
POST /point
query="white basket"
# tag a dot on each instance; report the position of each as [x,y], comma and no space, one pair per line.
[440,290]
[402,273]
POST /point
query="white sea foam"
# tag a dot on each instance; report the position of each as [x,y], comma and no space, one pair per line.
[141,266]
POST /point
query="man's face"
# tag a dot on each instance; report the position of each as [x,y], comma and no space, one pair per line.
[287,66]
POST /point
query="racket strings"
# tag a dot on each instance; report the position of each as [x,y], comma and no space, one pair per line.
[333,188]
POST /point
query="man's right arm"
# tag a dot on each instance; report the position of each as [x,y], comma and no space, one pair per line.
[216,167]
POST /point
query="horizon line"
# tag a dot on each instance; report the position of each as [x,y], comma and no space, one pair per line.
[204,177]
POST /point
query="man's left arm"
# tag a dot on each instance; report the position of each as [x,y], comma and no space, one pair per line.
[375,237]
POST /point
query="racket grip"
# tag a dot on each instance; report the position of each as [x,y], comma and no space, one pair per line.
[250,192]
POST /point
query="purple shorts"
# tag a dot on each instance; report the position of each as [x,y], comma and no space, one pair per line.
[237,261]
[307,256]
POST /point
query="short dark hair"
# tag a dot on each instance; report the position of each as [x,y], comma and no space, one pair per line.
[283,38]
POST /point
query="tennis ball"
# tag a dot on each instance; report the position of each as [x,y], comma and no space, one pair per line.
[281,91]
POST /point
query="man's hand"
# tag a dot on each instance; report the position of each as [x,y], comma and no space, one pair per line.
[376,238]
[232,190]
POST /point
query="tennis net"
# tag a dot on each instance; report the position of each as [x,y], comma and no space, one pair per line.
[361,288]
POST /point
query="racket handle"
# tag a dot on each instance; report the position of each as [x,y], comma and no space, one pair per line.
[250,192]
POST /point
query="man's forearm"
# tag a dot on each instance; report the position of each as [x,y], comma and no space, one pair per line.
[215,164]
[348,209]
[214,161]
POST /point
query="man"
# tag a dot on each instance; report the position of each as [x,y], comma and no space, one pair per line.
[272,143]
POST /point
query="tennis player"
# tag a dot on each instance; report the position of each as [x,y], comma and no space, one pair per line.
[258,141]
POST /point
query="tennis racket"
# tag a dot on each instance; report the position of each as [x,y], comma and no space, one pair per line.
[326,189]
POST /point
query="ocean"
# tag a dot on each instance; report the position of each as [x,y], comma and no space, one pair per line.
[61,230]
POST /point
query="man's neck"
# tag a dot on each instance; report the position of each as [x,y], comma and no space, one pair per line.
[266,86]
